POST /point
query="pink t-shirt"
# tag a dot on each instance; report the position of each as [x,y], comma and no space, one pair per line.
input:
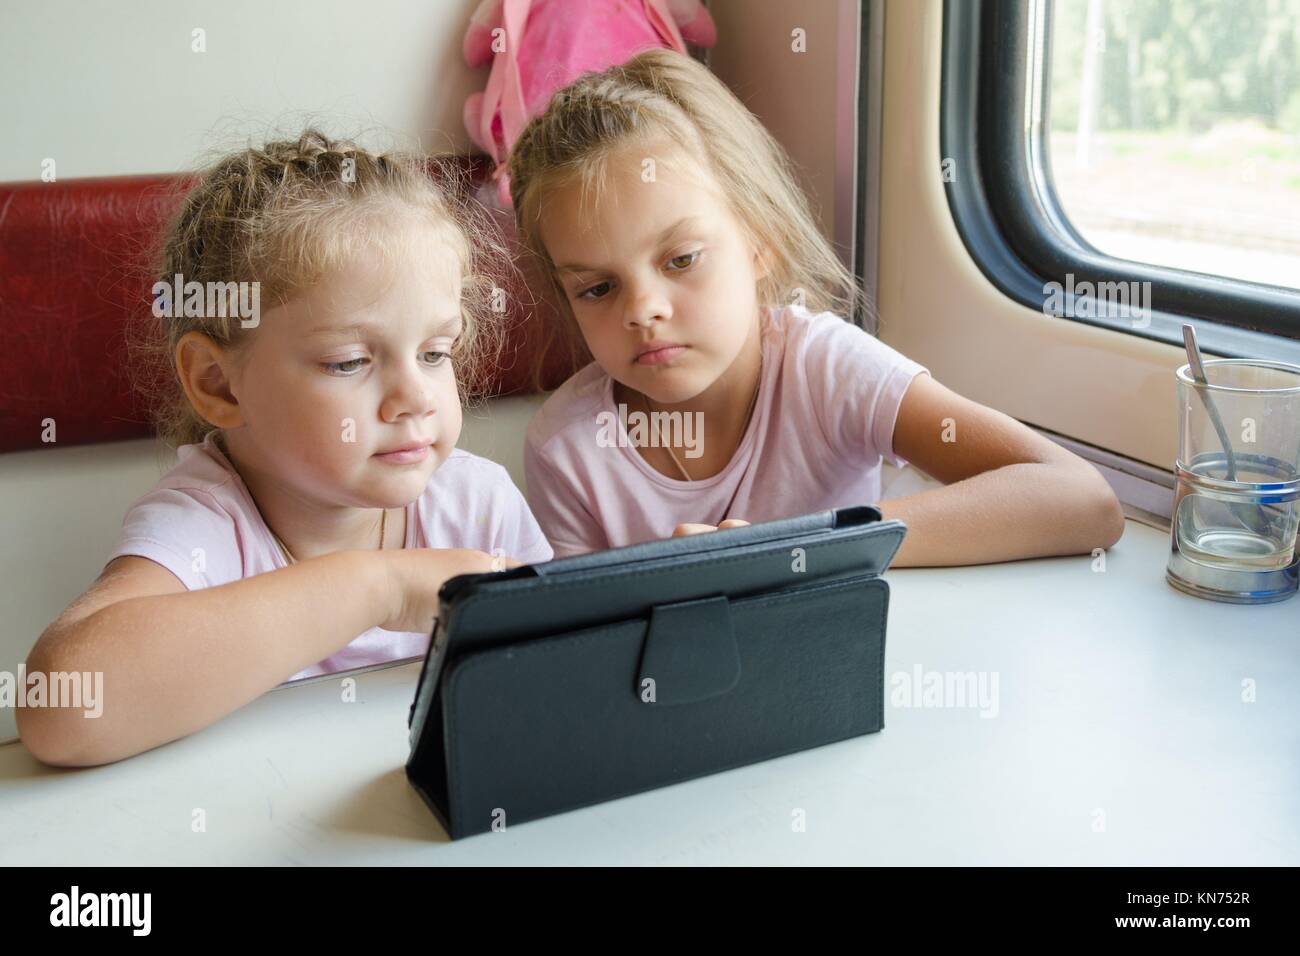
[200,522]
[824,417]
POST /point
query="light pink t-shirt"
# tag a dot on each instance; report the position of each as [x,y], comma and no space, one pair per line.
[823,420]
[200,522]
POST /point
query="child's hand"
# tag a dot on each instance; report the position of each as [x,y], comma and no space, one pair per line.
[684,529]
[415,574]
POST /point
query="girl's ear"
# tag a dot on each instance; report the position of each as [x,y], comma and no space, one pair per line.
[204,368]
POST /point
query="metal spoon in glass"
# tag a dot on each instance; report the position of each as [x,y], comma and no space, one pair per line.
[1248,515]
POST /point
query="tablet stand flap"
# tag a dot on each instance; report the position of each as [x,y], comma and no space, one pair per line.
[690,652]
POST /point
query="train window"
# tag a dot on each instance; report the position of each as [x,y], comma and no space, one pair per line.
[1174,132]
[1135,164]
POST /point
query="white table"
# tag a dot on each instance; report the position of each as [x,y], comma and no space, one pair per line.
[1121,737]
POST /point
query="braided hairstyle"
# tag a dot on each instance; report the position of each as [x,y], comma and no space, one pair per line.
[663,95]
[285,216]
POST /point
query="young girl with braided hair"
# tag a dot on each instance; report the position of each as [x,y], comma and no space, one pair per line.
[676,239]
[318,501]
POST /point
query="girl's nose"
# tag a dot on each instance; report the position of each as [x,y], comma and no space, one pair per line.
[408,392]
[646,305]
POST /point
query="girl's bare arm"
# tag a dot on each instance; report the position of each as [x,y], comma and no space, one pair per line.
[1009,492]
[174,661]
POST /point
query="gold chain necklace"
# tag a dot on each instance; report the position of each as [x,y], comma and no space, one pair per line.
[668,448]
[290,559]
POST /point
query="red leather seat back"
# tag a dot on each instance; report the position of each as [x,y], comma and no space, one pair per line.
[74,269]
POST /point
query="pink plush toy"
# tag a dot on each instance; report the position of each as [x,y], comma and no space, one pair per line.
[538,46]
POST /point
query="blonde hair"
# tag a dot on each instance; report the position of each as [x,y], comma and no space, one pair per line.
[664,93]
[287,215]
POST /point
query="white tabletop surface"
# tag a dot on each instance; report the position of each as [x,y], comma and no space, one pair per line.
[1121,736]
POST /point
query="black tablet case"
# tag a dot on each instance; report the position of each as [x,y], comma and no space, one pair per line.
[759,641]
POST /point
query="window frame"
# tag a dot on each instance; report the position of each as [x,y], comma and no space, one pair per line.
[1011,220]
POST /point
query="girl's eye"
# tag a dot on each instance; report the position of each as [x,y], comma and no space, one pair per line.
[598,291]
[343,368]
[351,366]
[677,264]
